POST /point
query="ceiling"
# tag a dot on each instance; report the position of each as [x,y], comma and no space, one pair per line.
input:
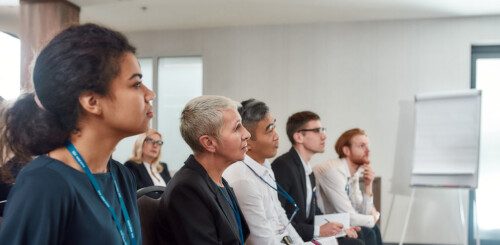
[131,15]
[128,15]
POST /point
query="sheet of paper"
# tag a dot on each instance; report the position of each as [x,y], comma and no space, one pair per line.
[342,218]
[447,129]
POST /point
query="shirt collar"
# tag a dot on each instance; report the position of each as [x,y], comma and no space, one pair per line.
[261,170]
[347,171]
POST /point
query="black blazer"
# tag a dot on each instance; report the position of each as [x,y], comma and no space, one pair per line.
[290,174]
[193,210]
[141,174]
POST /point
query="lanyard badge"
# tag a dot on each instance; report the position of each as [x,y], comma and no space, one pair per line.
[71,148]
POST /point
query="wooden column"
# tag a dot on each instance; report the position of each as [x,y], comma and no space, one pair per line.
[41,20]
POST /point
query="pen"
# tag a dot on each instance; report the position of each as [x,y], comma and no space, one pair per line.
[327,221]
[315,242]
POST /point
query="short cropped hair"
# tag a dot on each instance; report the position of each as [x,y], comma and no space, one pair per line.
[345,140]
[297,121]
[252,111]
[203,115]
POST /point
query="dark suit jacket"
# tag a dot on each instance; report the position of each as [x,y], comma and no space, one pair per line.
[290,174]
[142,176]
[194,211]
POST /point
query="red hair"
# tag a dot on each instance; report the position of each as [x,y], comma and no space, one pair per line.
[345,140]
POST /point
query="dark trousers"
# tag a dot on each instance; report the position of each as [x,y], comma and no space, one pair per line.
[371,236]
[350,241]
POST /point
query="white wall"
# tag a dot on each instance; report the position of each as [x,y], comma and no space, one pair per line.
[353,75]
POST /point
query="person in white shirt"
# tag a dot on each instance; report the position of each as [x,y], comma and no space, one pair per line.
[253,180]
[338,184]
[293,172]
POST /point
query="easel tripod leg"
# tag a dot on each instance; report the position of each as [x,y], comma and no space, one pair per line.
[476,228]
[462,214]
[407,219]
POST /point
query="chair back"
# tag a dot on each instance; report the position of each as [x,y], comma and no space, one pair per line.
[148,213]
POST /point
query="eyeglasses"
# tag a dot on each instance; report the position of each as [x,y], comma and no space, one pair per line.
[317,130]
[152,141]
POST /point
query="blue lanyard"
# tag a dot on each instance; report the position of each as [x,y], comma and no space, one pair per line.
[234,207]
[282,192]
[71,148]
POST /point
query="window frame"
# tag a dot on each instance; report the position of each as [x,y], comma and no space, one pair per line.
[479,52]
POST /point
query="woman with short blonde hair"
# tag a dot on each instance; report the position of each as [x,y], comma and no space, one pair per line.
[145,161]
[197,196]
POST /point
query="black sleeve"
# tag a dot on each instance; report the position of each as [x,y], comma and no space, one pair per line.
[185,216]
[165,173]
[133,167]
[318,211]
[286,178]
[283,176]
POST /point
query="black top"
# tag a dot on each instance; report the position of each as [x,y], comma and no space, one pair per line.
[290,174]
[53,203]
[193,210]
[142,176]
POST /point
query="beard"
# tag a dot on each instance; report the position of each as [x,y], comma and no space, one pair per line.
[360,160]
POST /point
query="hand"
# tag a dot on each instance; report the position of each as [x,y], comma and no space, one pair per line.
[330,229]
[351,231]
[375,214]
[368,177]
[368,174]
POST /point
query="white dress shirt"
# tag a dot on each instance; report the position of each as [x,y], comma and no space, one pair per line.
[339,192]
[155,176]
[259,203]
[308,171]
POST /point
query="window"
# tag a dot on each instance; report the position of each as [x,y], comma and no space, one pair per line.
[10,61]
[485,75]
[180,79]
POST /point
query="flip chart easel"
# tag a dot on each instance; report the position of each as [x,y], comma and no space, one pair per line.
[446,147]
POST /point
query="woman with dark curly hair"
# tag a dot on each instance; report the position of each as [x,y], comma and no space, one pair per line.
[10,164]
[88,96]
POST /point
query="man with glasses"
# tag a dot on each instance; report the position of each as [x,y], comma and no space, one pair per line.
[253,180]
[338,184]
[294,174]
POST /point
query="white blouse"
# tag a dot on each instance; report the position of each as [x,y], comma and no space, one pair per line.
[155,176]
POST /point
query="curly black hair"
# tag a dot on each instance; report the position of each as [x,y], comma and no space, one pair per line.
[79,59]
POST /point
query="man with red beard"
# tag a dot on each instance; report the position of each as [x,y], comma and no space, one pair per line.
[295,177]
[337,181]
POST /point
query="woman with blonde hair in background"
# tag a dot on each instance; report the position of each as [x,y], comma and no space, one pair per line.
[145,163]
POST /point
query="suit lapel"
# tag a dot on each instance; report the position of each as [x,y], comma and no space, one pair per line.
[147,181]
[192,163]
[302,173]
[223,204]
[313,199]
[165,174]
